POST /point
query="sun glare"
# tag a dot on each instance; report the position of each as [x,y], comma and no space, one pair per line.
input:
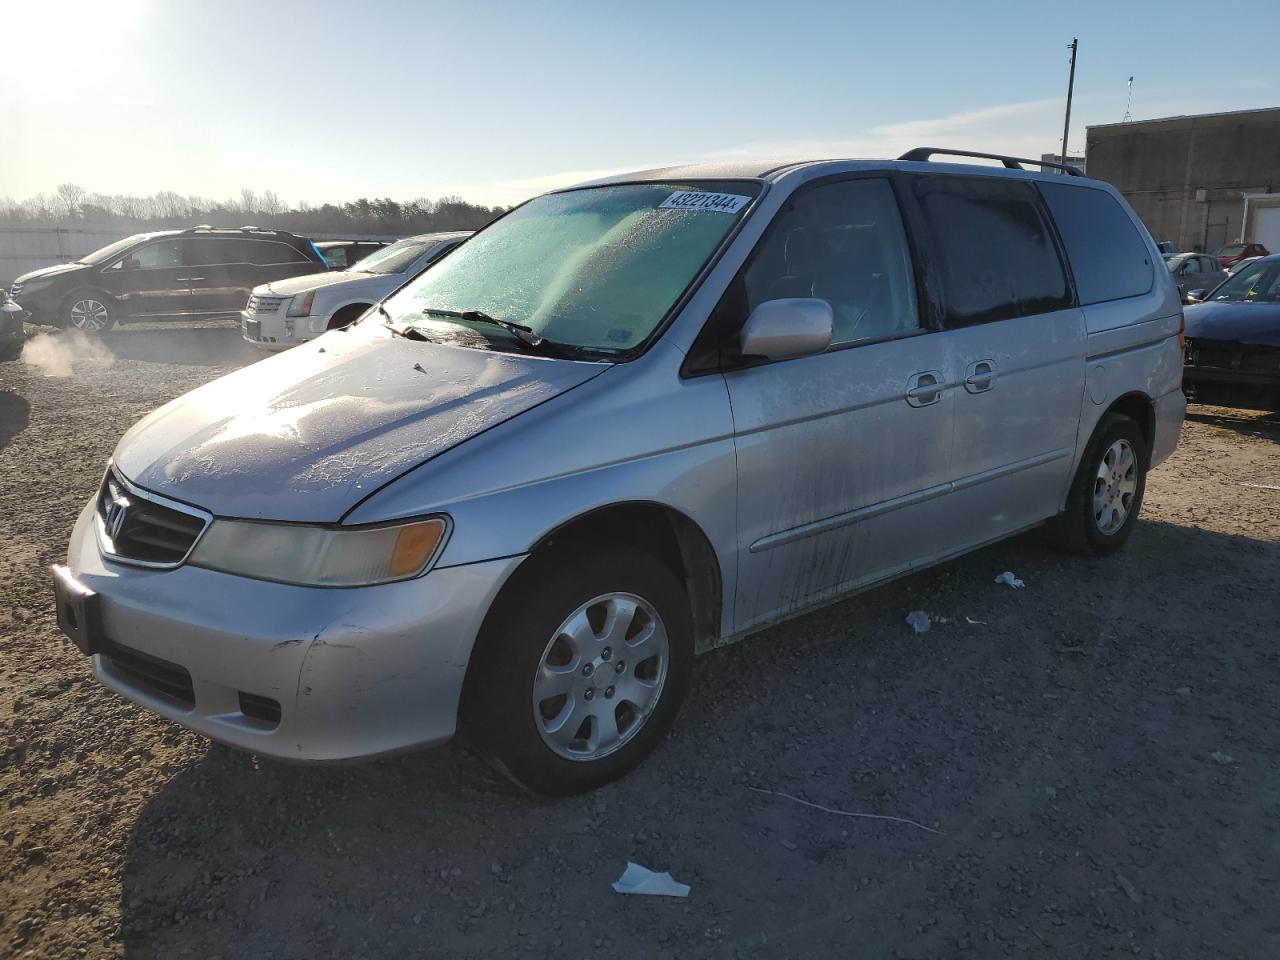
[51,27]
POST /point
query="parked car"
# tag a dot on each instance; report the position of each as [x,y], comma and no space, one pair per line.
[288,312]
[624,423]
[1234,252]
[187,274]
[12,331]
[1194,271]
[1233,340]
[1167,247]
[1240,265]
[342,254]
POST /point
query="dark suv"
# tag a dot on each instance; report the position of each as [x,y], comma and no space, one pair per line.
[190,274]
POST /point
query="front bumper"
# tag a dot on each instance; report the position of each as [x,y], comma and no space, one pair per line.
[276,331]
[356,672]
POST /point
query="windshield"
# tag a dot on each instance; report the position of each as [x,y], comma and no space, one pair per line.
[1257,283]
[1174,262]
[596,268]
[396,258]
[111,249]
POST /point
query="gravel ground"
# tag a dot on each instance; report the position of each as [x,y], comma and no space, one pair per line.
[1098,755]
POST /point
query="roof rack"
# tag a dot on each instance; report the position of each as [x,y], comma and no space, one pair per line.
[1012,163]
[204,227]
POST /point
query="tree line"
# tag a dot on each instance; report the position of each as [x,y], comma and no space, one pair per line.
[73,206]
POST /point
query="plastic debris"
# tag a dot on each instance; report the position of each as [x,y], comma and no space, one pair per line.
[976,623]
[640,880]
[918,621]
[1222,758]
[1010,579]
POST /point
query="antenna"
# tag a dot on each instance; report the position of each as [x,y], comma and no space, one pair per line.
[1128,103]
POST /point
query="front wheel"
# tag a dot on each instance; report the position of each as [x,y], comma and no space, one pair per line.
[88,312]
[580,668]
[1106,493]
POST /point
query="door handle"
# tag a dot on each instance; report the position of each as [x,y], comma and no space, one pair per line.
[182,280]
[980,376]
[194,279]
[925,388]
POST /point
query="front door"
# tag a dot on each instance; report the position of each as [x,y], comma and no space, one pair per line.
[150,280]
[842,457]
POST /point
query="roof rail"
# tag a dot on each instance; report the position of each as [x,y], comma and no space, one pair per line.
[1011,163]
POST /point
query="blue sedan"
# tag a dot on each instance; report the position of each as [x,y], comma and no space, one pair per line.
[1233,340]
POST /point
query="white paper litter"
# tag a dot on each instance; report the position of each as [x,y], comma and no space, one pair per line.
[1010,579]
[640,880]
[918,620]
[976,623]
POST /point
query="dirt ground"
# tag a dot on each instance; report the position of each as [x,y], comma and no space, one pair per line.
[1098,754]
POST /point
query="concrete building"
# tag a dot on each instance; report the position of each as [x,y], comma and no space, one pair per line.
[1200,181]
[1077,162]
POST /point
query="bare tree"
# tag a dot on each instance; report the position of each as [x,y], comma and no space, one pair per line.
[71,195]
[248,200]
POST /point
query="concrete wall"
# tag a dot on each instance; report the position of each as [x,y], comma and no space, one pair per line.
[1187,176]
[30,248]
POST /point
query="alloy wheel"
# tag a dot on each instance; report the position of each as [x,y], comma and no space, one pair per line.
[600,676]
[89,315]
[1114,487]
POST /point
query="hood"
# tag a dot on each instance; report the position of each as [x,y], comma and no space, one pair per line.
[1253,323]
[47,272]
[314,281]
[308,433]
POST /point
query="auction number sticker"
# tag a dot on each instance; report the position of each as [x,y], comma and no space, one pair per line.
[697,200]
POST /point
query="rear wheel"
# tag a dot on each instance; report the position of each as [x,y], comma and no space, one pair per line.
[580,668]
[88,312]
[1106,493]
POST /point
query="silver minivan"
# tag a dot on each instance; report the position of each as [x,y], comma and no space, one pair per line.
[625,423]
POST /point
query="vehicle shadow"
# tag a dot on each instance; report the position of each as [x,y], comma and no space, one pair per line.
[1013,697]
[15,414]
[1260,423]
[211,344]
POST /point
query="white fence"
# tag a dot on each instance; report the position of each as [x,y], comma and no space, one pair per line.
[30,248]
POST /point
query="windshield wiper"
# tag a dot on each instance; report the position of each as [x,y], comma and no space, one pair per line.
[525,335]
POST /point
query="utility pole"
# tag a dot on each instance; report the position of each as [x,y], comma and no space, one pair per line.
[1071,83]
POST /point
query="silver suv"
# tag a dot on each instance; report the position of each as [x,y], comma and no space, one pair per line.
[625,423]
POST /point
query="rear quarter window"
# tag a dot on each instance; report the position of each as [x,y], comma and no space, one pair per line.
[997,258]
[267,252]
[1110,259]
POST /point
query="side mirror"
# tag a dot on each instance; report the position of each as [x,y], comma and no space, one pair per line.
[1196,296]
[783,329]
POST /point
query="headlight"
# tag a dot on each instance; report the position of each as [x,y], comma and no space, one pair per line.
[321,556]
[301,306]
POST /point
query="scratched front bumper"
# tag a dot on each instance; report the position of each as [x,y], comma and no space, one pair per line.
[357,672]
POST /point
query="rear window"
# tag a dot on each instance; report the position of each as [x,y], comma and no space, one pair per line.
[1109,258]
[266,252]
[997,257]
[1232,250]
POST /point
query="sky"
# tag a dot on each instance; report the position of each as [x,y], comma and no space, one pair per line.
[326,101]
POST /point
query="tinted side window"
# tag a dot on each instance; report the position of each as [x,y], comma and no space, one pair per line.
[843,243]
[151,256]
[1109,258]
[209,251]
[264,252]
[995,249]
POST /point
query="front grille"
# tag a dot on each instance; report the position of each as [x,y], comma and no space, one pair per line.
[15,289]
[1233,356]
[143,530]
[151,673]
[264,305]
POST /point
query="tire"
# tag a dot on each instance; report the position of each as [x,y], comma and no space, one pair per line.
[88,311]
[347,315]
[547,671]
[1106,487]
